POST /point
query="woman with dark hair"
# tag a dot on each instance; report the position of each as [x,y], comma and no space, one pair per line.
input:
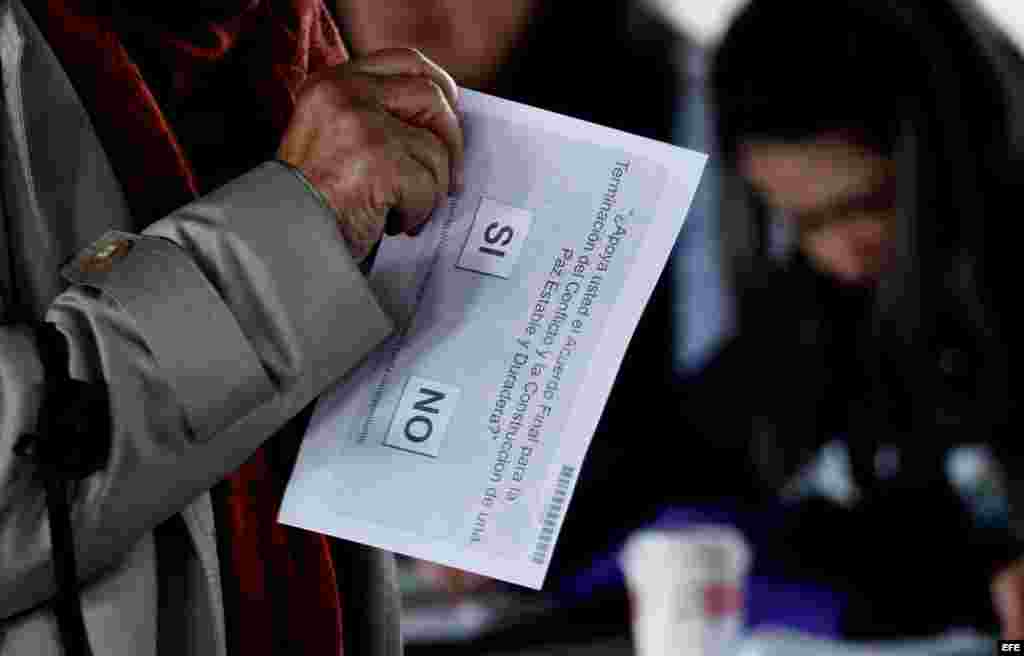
[883,138]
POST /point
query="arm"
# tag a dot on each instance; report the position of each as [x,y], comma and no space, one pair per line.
[748,433]
[211,332]
[218,323]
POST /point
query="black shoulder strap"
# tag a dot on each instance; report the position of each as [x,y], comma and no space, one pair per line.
[71,442]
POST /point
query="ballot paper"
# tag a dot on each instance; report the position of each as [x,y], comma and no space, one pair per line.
[460,439]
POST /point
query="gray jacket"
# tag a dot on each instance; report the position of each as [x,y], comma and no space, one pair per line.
[217,325]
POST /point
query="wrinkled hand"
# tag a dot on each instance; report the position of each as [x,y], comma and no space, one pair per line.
[378,135]
[1008,598]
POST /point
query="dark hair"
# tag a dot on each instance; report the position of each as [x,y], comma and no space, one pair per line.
[917,80]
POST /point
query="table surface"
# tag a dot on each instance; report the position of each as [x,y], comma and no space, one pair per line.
[619,647]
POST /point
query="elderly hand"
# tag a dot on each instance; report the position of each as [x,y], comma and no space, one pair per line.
[1008,598]
[378,135]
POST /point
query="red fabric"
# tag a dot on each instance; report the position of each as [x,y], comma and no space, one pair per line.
[178,112]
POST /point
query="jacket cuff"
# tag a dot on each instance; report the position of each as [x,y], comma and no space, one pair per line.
[272,249]
[192,335]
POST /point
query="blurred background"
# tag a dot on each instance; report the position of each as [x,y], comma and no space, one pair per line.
[833,569]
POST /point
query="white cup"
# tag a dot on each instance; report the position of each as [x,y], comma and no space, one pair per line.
[686,590]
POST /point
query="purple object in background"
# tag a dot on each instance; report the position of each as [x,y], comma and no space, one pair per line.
[770,600]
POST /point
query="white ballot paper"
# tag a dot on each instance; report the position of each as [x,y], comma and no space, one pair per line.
[459,440]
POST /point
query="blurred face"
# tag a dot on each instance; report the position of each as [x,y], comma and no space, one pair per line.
[471,39]
[839,196]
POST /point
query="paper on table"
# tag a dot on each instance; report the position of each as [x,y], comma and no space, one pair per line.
[459,440]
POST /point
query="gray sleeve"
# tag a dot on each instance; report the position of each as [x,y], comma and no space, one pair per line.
[211,329]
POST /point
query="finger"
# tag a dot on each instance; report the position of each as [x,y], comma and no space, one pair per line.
[420,102]
[407,61]
[416,197]
[361,230]
[427,148]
